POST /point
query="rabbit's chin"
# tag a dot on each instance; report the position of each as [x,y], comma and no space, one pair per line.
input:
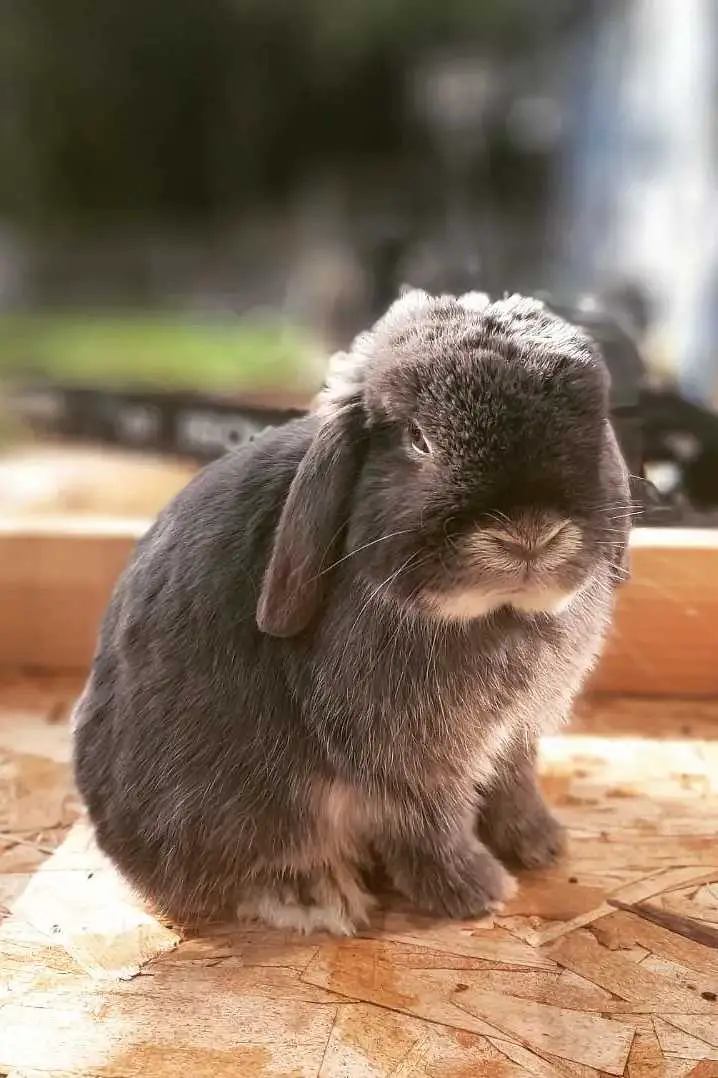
[469,604]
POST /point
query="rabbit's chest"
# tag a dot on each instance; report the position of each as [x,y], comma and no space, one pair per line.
[490,704]
[439,703]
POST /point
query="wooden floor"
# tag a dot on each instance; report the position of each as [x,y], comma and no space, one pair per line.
[563,984]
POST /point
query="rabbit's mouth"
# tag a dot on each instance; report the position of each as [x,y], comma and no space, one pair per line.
[532,563]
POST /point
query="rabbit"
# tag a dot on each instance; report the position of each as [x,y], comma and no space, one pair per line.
[339,645]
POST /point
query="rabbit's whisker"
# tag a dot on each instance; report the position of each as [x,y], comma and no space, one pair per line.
[385,583]
[364,546]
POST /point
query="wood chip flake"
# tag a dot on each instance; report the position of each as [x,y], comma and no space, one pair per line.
[646,1059]
[705,1069]
[582,953]
[570,1035]
[462,939]
[553,898]
[639,891]
[622,930]
[369,1042]
[702,1027]
[543,1066]
[676,1042]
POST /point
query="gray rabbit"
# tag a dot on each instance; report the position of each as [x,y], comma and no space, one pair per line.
[342,642]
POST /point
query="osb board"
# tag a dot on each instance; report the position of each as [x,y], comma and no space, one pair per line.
[57,573]
[561,985]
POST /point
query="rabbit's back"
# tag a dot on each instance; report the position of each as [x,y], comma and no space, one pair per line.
[182,740]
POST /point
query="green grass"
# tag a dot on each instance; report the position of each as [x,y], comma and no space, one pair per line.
[158,351]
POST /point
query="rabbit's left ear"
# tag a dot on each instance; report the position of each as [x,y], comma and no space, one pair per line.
[311,526]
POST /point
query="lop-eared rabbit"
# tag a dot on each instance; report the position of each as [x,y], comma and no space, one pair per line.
[341,643]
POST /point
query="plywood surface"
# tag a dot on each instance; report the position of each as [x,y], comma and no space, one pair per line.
[564,984]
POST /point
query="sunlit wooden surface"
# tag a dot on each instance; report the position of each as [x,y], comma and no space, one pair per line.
[561,985]
[40,480]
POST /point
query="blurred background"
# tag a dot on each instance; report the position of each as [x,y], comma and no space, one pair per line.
[200,199]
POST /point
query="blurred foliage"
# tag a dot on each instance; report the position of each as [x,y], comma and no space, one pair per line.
[344,30]
[111,110]
[155,351]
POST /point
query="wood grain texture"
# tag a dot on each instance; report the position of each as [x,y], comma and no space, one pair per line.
[560,985]
[57,573]
[56,577]
[665,636]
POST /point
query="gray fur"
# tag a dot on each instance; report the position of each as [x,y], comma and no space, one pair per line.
[289,679]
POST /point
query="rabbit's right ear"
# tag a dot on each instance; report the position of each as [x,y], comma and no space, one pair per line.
[311,525]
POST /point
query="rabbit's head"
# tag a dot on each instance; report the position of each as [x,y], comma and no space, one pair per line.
[463,461]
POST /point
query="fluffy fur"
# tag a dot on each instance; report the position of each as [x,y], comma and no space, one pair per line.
[342,642]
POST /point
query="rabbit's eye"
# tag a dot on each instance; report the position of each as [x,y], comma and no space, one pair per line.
[417,441]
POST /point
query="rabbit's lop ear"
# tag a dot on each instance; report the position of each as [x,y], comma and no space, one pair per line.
[311,525]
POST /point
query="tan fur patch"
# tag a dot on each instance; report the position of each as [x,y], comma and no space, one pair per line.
[293,917]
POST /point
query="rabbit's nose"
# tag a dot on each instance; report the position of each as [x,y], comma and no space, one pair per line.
[526,545]
[522,550]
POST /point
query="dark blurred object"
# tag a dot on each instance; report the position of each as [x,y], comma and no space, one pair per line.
[196,111]
[154,155]
[628,375]
[660,432]
[685,435]
[629,303]
[191,425]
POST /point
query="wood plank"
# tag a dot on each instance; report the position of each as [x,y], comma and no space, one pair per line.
[56,577]
[57,573]
[665,636]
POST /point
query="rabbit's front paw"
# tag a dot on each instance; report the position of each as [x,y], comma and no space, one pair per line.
[532,841]
[463,883]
